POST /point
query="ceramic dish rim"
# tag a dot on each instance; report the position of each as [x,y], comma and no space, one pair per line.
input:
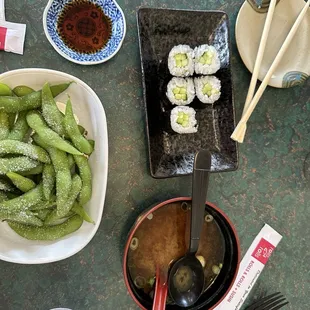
[87,63]
[104,137]
[155,207]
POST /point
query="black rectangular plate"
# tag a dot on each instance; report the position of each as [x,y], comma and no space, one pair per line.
[173,154]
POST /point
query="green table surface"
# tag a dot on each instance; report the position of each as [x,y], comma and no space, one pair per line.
[269,186]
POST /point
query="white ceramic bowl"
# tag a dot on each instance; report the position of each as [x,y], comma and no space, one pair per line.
[294,68]
[88,107]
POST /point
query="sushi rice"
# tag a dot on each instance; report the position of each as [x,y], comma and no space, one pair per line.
[183,120]
[208,89]
[207,60]
[181,91]
[181,61]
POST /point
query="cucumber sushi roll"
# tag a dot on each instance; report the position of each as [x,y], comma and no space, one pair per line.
[183,120]
[181,61]
[181,91]
[208,89]
[207,60]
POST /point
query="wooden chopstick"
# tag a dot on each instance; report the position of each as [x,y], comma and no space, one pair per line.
[260,55]
[238,134]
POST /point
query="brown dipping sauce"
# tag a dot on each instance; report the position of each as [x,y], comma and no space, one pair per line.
[163,237]
[84,27]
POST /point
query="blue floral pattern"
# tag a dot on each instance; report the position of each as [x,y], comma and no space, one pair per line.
[118,31]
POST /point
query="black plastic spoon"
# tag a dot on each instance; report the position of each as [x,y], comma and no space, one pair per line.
[186,276]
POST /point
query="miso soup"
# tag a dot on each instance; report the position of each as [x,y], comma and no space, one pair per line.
[164,237]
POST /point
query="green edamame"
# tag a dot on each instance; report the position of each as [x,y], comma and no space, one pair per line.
[20,128]
[48,179]
[30,101]
[21,182]
[36,122]
[42,214]
[76,186]
[92,143]
[82,130]
[78,209]
[44,204]
[24,201]
[5,90]
[16,164]
[4,125]
[63,185]
[22,148]
[32,171]
[53,117]
[48,232]
[53,219]
[71,161]
[22,90]
[62,170]
[72,129]
[85,174]
[23,217]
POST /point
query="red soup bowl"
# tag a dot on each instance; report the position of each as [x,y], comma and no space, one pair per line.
[224,281]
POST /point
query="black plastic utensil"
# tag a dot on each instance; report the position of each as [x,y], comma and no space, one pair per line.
[186,276]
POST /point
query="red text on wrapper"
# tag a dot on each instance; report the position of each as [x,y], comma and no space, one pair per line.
[263,251]
[3,31]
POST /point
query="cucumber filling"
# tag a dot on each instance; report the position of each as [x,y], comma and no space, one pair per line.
[180,93]
[208,90]
[206,58]
[181,60]
[183,119]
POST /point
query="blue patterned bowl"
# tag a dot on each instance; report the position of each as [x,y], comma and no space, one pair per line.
[110,8]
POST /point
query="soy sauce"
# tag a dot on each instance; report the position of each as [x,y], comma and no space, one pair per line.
[84,27]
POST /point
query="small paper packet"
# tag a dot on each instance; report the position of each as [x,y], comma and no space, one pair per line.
[12,35]
[250,268]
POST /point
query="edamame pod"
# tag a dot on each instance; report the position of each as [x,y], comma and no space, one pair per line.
[63,176]
[24,201]
[20,127]
[21,182]
[53,117]
[82,130]
[48,232]
[75,190]
[36,122]
[30,101]
[4,125]
[16,164]
[44,204]
[72,129]
[85,174]
[5,90]
[62,170]
[22,148]
[92,143]
[22,90]
[71,161]
[48,179]
[42,214]
[23,217]
[33,171]
[78,209]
